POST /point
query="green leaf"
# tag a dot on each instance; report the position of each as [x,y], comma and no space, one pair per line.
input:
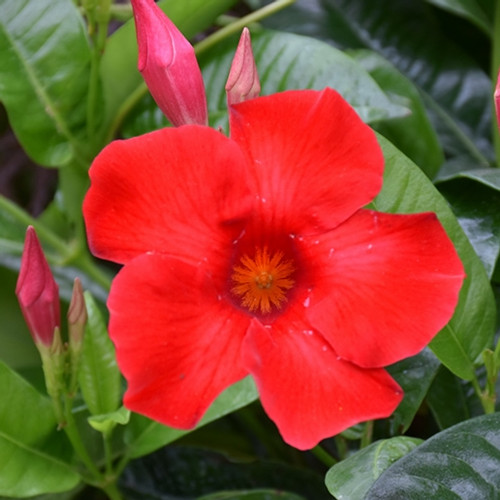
[107,422]
[407,190]
[468,9]
[119,73]
[415,376]
[412,134]
[34,456]
[475,205]
[144,436]
[99,376]
[459,463]
[353,477]
[455,89]
[44,73]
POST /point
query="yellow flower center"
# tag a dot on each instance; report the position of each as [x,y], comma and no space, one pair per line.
[261,282]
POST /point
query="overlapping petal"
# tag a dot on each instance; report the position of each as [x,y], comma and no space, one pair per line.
[181,191]
[385,284]
[306,389]
[314,161]
[177,341]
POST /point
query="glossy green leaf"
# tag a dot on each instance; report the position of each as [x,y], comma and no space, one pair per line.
[351,478]
[455,89]
[459,463]
[44,76]
[477,208]
[99,376]
[187,472]
[407,190]
[34,456]
[415,376]
[413,134]
[446,399]
[469,9]
[119,73]
[144,436]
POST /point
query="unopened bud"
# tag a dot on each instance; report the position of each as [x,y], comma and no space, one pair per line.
[243,80]
[169,67]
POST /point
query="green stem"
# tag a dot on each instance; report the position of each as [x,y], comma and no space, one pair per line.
[495,66]
[71,431]
[367,437]
[323,456]
[88,266]
[239,24]
[487,402]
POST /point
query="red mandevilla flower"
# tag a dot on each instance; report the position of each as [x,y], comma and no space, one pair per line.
[252,255]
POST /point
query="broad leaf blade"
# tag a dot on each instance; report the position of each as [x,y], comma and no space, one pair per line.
[353,477]
[33,454]
[407,190]
[459,463]
[43,76]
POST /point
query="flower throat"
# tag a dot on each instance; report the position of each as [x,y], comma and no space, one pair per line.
[261,282]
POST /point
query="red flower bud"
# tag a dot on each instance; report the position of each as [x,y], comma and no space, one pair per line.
[37,292]
[168,65]
[243,80]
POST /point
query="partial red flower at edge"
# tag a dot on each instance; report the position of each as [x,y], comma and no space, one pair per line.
[252,255]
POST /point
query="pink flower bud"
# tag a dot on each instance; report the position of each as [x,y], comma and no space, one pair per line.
[37,292]
[243,80]
[168,65]
[497,99]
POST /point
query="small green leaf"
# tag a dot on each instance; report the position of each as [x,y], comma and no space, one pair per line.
[144,436]
[407,190]
[44,76]
[34,456]
[459,463]
[353,477]
[106,423]
[99,376]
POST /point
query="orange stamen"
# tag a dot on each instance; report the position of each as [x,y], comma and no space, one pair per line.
[262,282]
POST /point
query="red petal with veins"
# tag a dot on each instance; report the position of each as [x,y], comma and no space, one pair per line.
[181,191]
[306,389]
[385,284]
[177,341]
[313,160]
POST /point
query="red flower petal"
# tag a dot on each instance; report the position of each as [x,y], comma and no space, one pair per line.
[314,161]
[384,285]
[177,342]
[168,191]
[307,390]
